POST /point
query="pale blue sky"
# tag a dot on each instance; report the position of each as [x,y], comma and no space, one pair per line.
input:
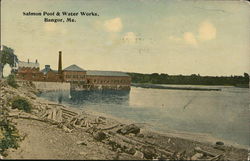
[177,36]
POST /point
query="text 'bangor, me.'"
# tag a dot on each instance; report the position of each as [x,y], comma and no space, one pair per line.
[64,13]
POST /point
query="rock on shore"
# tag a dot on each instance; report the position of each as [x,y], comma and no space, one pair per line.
[54,131]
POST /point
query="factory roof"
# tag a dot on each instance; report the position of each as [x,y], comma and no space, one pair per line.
[28,64]
[45,71]
[74,68]
[106,73]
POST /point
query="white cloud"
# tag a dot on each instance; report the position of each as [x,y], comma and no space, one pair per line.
[51,27]
[130,37]
[174,38]
[63,30]
[207,31]
[97,24]
[190,38]
[113,25]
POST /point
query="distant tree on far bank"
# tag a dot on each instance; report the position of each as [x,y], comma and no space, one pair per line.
[193,79]
[7,56]
[246,75]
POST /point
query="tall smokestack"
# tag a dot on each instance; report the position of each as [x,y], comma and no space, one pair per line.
[60,63]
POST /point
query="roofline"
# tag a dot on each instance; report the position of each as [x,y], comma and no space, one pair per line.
[75,70]
[124,73]
[82,70]
[110,75]
[27,62]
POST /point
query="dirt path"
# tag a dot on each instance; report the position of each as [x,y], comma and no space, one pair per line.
[50,142]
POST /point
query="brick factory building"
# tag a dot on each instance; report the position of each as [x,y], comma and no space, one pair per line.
[108,80]
[78,78]
[73,73]
[50,75]
[29,71]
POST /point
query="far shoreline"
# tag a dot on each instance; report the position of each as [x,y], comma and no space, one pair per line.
[192,87]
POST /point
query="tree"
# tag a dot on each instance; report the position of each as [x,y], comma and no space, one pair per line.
[7,56]
[246,75]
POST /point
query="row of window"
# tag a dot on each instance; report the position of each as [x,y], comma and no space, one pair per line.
[110,81]
[33,75]
[97,81]
[75,76]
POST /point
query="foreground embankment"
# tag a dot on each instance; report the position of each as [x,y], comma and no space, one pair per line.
[54,131]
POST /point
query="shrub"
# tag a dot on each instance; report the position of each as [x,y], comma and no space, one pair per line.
[11,80]
[21,104]
[9,136]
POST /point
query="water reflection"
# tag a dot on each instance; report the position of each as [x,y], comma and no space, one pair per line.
[60,98]
[88,97]
[224,114]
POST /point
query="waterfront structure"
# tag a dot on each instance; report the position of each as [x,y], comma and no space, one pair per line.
[29,71]
[78,78]
[74,73]
[108,80]
[50,75]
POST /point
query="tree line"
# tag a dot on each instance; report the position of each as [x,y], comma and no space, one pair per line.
[193,79]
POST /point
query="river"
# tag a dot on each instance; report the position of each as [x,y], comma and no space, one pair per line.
[222,114]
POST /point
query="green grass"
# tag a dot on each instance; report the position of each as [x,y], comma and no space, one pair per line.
[11,80]
[21,104]
[9,136]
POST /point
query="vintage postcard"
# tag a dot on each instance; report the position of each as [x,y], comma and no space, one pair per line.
[125,79]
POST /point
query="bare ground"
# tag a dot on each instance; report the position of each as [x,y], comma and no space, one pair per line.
[52,131]
[45,141]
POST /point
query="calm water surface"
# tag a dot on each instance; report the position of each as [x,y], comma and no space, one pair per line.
[223,114]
